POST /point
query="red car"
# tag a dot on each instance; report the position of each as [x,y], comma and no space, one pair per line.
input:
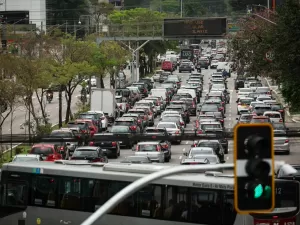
[92,126]
[49,152]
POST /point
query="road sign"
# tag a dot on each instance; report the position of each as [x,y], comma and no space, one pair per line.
[195,27]
[270,56]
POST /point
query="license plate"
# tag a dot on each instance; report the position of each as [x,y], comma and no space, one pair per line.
[120,142]
[104,150]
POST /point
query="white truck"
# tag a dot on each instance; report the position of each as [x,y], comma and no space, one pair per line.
[104,100]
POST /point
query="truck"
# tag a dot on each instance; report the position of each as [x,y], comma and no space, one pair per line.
[104,100]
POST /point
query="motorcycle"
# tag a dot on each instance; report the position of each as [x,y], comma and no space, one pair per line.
[198,68]
[49,97]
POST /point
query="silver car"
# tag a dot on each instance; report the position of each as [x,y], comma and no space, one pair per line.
[282,145]
[150,149]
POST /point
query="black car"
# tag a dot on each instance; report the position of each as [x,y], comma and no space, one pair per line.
[147,81]
[190,102]
[239,83]
[90,153]
[123,131]
[185,66]
[110,147]
[215,144]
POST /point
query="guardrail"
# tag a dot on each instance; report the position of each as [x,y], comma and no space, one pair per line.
[125,137]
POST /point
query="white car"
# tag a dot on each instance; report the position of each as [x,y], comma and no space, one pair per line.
[274,116]
[243,92]
[27,158]
[243,104]
[173,128]
[104,120]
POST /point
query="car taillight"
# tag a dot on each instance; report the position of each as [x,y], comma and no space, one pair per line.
[158,149]
[165,146]
[287,141]
[177,132]
[91,143]
[132,127]
[199,132]
[61,148]
[139,121]
[50,157]
[114,143]
[84,131]
[280,120]
[222,121]
[145,91]
[221,108]
[97,160]
[78,137]
[239,103]
[280,110]
[181,123]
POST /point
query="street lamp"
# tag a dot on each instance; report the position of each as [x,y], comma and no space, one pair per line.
[89,22]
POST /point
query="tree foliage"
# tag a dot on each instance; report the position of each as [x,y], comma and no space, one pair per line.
[279,33]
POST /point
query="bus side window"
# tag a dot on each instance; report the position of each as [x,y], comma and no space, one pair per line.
[70,193]
[44,191]
[229,213]
[15,193]
[149,201]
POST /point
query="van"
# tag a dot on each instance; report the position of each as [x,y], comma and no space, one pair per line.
[161,92]
[167,66]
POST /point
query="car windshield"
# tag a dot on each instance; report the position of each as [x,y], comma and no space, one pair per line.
[200,152]
[166,125]
[119,129]
[211,159]
[85,153]
[147,148]
[246,117]
[142,104]
[39,151]
[61,134]
[25,159]
[210,126]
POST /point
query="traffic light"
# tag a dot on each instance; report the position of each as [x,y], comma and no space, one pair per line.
[254,168]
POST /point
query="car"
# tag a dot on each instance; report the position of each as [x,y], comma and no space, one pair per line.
[212,159]
[281,144]
[95,117]
[263,97]
[92,126]
[214,64]
[183,110]
[137,116]
[243,104]
[274,116]
[204,62]
[173,118]
[243,92]
[199,151]
[91,153]
[131,122]
[185,67]
[143,88]
[110,148]
[66,134]
[123,104]
[123,130]
[260,109]
[244,118]
[156,151]
[149,113]
[208,108]
[27,158]
[156,75]
[136,160]
[215,144]
[48,152]
[148,81]
[191,105]
[279,128]
[172,128]
[143,115]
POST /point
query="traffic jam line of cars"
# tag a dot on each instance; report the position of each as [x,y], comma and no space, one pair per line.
[139,105]
[255,104]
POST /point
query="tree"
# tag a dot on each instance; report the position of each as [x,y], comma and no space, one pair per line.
[286,47]
[70,66]
[107,58]
[100,11]
[148,23]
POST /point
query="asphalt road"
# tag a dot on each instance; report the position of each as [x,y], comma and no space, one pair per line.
[230,121]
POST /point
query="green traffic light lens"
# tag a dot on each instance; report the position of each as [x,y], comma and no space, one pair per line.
[258,191]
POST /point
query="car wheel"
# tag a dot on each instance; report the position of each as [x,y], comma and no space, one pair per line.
[226,150]
[179,71]
[167,159]
[206,68]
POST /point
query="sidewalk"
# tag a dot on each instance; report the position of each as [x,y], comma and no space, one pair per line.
[277,94]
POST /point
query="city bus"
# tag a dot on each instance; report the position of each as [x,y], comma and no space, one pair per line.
[67,192]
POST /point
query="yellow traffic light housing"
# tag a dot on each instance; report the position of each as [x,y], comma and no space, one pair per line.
[254,168]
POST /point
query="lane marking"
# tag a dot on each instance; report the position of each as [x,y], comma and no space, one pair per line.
[227,158]
[183,149]
[180,157]
[187,143]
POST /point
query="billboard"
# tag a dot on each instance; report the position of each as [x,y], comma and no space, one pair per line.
[195,27]
[15,17]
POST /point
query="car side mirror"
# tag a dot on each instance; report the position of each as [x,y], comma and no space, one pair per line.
[185,154]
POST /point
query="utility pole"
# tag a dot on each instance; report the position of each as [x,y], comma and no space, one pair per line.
[181,8]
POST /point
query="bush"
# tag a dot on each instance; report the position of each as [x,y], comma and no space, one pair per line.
[81,109]
[44,129]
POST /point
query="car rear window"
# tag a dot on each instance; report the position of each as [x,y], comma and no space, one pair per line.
[61,134]
[210,126]
[166,125]
[273,115]
[85,153]
[45,151]
[86,116]
[147,148]
[123,123]
[276,107]
[209,107]
[260,120]
[118,129]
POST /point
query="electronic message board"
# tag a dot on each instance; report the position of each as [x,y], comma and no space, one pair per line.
[195,27]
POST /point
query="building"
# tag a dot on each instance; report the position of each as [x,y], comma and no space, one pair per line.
[20,12]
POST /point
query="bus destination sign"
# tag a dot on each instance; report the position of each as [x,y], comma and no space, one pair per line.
[195,27]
